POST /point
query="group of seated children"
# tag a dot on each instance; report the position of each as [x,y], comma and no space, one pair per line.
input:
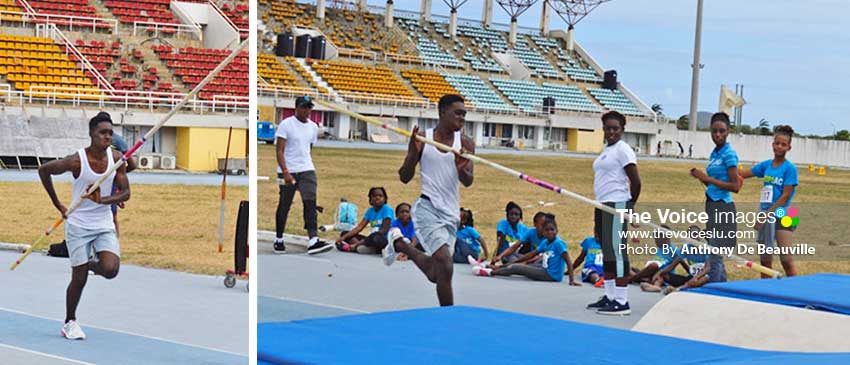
[536,253]
[545,262]
[660,275]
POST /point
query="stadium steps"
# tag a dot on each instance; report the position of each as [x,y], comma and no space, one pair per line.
[395,70]
[505,98]
[318,79]
[583,87]
[549,57]
[302,82]
[150,59]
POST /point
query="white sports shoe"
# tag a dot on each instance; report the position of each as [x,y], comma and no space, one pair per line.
[472,261]
[72,331]
[389,250]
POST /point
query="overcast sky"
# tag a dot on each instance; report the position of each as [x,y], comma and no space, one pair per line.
[792,56]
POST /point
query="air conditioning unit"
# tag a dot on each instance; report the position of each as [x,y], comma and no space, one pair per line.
[168,162]
[147,162]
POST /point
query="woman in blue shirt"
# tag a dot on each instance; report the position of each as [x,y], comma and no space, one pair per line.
[721,180]
[780,185]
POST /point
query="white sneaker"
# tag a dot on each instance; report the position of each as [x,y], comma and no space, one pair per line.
[472,261]
[388,252]
[72,331]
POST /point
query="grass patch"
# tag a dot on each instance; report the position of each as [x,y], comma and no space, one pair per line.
[164,226]
[350,172]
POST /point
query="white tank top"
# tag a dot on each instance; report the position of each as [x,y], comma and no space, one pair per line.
[90,215]
[439,176]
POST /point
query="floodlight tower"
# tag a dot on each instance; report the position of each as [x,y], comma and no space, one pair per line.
[573,11]
[515,8]
[487,15]
[388,16]
[454,5]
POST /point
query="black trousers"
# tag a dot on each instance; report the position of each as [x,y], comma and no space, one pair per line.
[305,183]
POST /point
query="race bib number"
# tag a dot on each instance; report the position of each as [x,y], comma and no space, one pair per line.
[546,256]
[696,267]
[766,194]
[598,260]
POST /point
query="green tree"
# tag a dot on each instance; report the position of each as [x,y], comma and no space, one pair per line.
[843,135]
[764,127]
[682,123]
[657,109]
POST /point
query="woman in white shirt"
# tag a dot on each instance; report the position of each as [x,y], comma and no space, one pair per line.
[616,183]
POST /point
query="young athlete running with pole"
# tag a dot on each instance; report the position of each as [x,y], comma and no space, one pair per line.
[90,230]
[435,213]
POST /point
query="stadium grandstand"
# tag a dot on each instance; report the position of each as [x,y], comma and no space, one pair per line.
[70,59]
[395,64]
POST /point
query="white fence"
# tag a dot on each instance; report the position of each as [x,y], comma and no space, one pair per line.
[754,148]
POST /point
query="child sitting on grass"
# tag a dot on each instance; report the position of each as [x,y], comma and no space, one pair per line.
[469,243]
[378,217]
[555,259]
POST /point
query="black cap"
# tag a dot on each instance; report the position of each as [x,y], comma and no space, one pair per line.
[304,101]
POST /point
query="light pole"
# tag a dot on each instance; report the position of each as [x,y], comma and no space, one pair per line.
[692,116]
[834,133]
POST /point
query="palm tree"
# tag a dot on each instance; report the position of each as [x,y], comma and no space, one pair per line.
[764,127]
[657,109]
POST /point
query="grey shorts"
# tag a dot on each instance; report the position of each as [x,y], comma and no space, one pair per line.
[433,227]
[305,182]
[81,241]
[767,233]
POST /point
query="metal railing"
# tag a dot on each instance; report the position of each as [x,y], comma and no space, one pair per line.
[166,28]
[82,22]
[227,18]
[198,31]
[56,34]
[60,95]
[229,103]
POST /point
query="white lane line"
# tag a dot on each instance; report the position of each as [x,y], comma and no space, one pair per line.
[45,355]
[317,303]
[129,333]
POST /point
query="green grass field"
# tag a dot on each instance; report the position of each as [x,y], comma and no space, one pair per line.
[163,226]
[350,173]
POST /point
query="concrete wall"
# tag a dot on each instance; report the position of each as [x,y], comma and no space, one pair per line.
[584,140]
[42,136]
[804,151]
[218,33]
[198,149]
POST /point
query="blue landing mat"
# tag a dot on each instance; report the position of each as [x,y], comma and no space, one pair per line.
[469,335]
[827,292]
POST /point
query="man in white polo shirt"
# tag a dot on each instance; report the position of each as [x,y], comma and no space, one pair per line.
[295,171]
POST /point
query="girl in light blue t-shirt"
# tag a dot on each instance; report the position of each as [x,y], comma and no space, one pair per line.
[780,186]
[378,217]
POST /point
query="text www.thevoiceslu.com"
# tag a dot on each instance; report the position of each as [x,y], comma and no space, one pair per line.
[694,235]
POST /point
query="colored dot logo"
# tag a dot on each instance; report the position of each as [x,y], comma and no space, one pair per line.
[788,218]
